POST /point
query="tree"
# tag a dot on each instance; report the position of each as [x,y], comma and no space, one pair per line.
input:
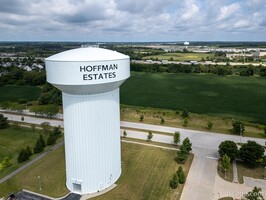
[255,194]
[226,163]
[28,150]
[186,145]
[181,175]
[182,156]
[238,127]
[185,114]
[56,131]
[209,125]
[5,163]
[45,127]
[51,140]
[251,153]
[185,123]
[229,148]
[39,146]
[23,156]
[149,136]
[48,110]
[141,118]
[185,148]
[124,133]
[174,181]
[176,138]
[263,71]
[53,136]
[3,122]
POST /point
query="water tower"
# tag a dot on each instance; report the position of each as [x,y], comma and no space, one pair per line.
[89,79]
[186,44]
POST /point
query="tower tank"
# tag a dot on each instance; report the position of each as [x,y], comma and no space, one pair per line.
[89,79]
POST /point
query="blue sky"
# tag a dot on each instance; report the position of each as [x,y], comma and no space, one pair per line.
[132,20]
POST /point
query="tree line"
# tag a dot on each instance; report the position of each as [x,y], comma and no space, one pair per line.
[17,76]
[199,68]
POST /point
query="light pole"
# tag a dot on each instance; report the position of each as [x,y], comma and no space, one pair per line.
[40,183]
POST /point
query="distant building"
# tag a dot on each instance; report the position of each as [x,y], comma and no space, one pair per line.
[233,55]
[259,54]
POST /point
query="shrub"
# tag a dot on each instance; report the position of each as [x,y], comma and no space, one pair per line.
[185,114]
[162,120]
[149,136]
[5,163]
[176,137]
[238,127]
[174,182]
[125,133]
[3,122]
[181,175]
[185,123]
[209,125]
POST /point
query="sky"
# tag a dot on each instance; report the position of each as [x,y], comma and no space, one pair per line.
[132,20]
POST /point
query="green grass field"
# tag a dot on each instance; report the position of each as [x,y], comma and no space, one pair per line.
[14,93]
[180,56]
[11,141]
[51,169]
[146,172]
[231,96]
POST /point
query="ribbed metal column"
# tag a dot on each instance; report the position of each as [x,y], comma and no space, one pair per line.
[92,141]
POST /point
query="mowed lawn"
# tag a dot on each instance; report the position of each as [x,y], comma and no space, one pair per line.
[14,93]
[180,56]
[146,172]
[12,141]
[230,96]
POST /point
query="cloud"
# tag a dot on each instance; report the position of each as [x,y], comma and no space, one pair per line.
[228,11]
[133,20]
[242,24]
[191,11]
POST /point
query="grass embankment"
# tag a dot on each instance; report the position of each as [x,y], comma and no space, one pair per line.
[180,56]
[14,93]
[196,121]
[146,172]
[12,140]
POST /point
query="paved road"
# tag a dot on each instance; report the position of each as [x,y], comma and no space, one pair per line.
[202,176]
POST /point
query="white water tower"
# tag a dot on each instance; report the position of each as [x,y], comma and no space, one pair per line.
[186,44]
[89,79]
